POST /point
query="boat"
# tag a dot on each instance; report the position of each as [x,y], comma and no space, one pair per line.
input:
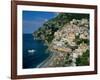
[31,51]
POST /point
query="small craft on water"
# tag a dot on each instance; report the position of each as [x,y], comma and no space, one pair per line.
[31,51]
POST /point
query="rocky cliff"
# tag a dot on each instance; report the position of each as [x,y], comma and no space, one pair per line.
[67,37]
[71,43]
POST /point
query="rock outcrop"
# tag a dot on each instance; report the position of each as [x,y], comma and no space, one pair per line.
[71,41]
[67,39]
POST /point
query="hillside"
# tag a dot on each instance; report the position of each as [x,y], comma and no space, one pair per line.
[67,37]
[46,32]
[71,44]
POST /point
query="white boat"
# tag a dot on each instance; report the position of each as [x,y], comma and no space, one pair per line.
[31,51]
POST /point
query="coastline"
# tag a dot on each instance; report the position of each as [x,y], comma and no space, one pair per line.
[48,62]
[30,59]
[45,62]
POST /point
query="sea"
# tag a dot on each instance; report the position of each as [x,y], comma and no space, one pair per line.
[34,51]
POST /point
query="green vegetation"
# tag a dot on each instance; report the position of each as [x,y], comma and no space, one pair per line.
[62,40]
[83,60]
[67,60]
[46,32]
[79,41]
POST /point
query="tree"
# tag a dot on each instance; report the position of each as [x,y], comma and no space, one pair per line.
[83,60]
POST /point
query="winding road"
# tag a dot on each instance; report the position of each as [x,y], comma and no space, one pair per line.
[46,62]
